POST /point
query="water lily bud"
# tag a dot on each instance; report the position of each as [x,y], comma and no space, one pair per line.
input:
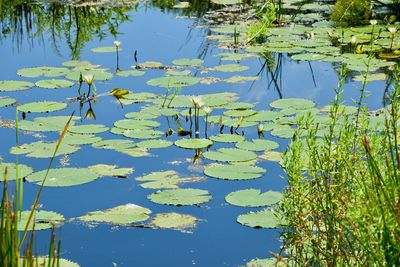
[353,39]
[260,128]
[373,22]
[197,101]
[88,79]
[208,110]
[392,30]
[117,44]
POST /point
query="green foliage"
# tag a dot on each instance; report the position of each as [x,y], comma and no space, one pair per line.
[351,13]
[341,205]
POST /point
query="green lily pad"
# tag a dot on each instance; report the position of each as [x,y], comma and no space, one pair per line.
[114,144]
[79,139]
[264,115]
[44,106]
[188,62]
[235,56]
[230,68]
[272,156]
[46,124]
[120,215]
[141,115]
[241,79]
[88,129]
[42,220]
[98,75]
[180,197]
[283,131]
[23,171]
[239,105]
[267,262]
[226,2]
[10,86]
[6,101]
[130,124]
[296,103]
[240,113]
[174,220]
[54,83]
[230,154]
[143,134]
[193,143]
[227,138]
[260,219]
[233,172]
[134,73]
[165,180]
[105,49]
[41,149]
[110,170]
[43,71]
[253,198]
[174,81]
[64,177]
[257,145]
[75,63]
[150,65]
[44,261]
[178,72]
[154,144]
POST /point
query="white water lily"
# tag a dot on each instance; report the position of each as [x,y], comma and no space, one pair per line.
[89,79]
[117,44]
[197,101]
[373,22]
[208,110]
[260,128]
[353,39]
[392,30]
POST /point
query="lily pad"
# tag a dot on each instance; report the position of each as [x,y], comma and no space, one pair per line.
[105,49]
[257,145]
[88,129]
[143,133]
[174,220]
[98,75]
[54,83]
[230,154]
[46,124]
[154,144]
[240,112]
[10,86]
[253,198]
[174,81]
[188,62]
[58,177]
[230,68]
[80,139]
[41,149]
[261,219]
[110,170]
[296,103]
[180,197]
[44,261]
[233,172]
[272,156]
[42,220]
[120,215]
[267,262]
[178,72]
[43,71]
[6,101]
[130,124]
[44,106]
[227,138]
[141,115]
[23,171]
[134,73]
[241,79]
[165,180]
[193,143]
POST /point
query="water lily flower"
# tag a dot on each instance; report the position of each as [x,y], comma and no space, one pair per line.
[353,39]
[117,44]
[392,30]
[260,128]
[197,101]
[208,110]
[373,22]
[89,79]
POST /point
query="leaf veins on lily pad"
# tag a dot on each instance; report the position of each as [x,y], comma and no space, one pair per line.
[180,197]
[120,215]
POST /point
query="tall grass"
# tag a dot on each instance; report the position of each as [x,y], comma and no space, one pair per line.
[11,240]
[342,204]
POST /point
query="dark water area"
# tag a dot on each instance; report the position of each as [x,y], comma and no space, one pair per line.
[157,35]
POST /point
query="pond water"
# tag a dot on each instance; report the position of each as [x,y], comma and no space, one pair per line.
[156,34]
